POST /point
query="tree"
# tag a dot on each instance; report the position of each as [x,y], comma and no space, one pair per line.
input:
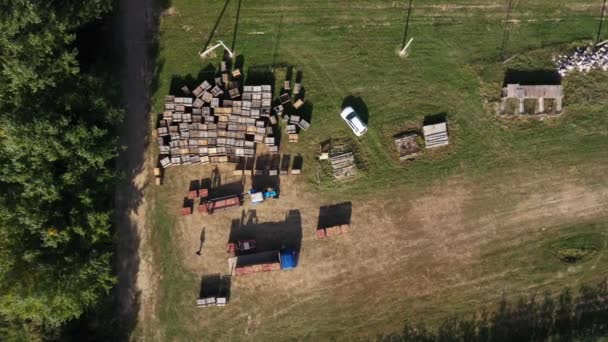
[36,49]
[57,146]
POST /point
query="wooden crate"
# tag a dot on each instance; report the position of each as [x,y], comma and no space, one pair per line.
[299,103]
[284,98]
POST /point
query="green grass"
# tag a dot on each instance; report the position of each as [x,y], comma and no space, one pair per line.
[539,259]
[349,48]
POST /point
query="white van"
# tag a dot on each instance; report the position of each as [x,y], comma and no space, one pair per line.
[354,121]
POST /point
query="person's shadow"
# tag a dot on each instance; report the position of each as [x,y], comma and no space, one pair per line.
[200,248]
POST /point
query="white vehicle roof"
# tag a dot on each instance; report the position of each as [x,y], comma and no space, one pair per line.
[357,123]
[354,121]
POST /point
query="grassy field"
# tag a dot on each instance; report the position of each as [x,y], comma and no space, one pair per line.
[510,202]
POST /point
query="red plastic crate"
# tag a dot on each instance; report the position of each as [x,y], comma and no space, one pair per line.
[192,194]
[203,193]
[186,211]
[321,233]
[331,231]
[345,228]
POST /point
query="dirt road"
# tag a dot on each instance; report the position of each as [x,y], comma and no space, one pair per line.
[136,27]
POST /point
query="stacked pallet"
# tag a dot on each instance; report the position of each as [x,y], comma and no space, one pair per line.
[435,135]
[217,124]
[267,267]
[294,122]
[322,233]
[407,145]
[343,165]
[211,301]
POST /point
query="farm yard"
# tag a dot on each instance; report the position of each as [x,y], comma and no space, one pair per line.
[450,231]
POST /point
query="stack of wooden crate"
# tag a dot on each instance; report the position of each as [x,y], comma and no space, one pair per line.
[216,124]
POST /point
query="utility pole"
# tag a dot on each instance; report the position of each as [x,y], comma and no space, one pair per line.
[599,30]
[505,35]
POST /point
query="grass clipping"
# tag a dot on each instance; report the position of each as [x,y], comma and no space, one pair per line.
[576,248]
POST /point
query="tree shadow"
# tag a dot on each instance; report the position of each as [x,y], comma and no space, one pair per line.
[358,105]
[116,316]
[561,317]
[532,77]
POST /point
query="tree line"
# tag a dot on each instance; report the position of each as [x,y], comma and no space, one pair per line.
[57,147]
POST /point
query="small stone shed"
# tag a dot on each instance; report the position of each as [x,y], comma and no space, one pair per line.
[537,92]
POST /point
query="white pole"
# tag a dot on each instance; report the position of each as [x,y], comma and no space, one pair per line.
[206,52]
[404,50]
[220,43]
[225,47]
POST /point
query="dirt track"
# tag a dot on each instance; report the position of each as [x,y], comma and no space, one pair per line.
[135,27]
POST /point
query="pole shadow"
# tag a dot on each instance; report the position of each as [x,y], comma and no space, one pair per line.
[236,25]
[217,22]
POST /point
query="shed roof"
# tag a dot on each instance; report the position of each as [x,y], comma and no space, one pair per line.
[535,91]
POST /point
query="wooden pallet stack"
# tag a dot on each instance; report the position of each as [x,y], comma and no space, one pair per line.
[435,135]
[292,101]
[217,123]
[407,145]
[343,165]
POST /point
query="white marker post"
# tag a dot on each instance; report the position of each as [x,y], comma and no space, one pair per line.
[403,51]
[206,53]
